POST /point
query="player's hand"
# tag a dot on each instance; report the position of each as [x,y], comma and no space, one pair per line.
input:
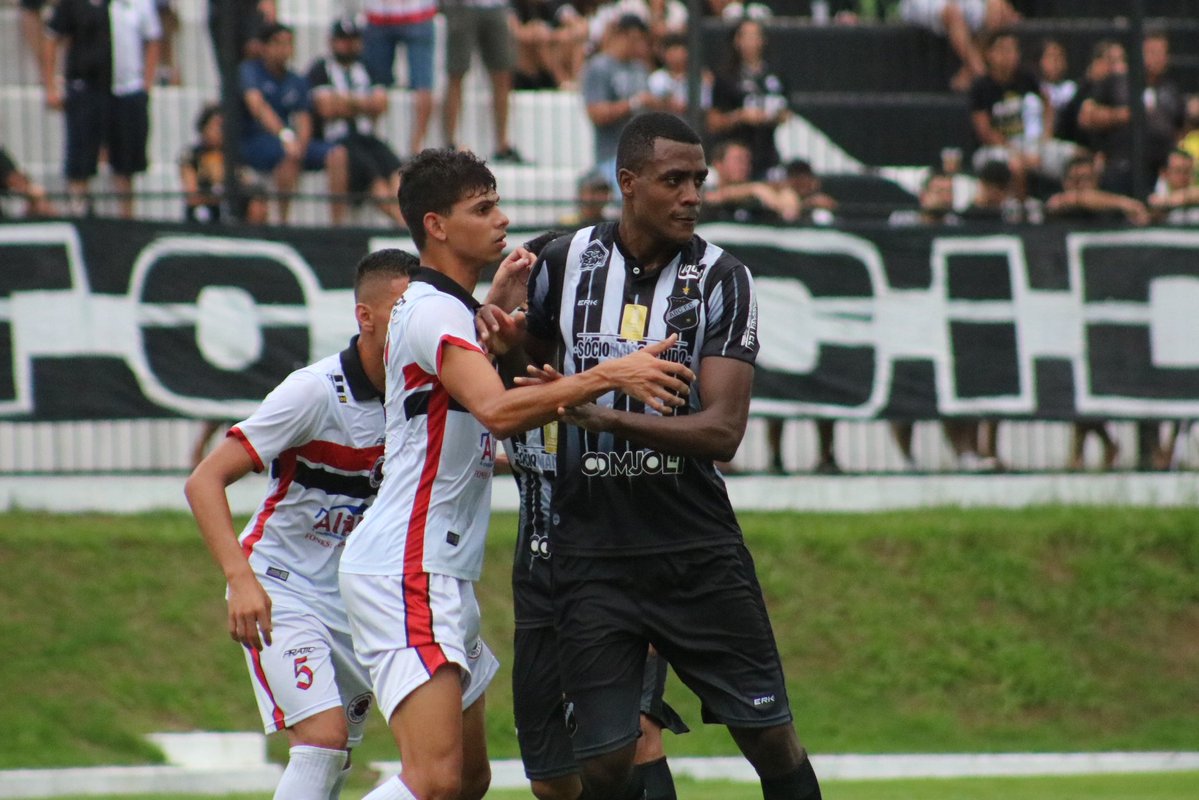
[662,385]
[538,376]
[588,416]
[498,331]
[249,612]
[510,287]
[54,98]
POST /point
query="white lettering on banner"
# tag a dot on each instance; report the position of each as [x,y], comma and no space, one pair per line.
[797,325]
[914,324]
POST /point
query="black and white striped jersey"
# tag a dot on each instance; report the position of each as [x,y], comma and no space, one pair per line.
[594,302]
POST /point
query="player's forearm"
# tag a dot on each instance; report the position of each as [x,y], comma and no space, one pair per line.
[210,507]
[704,435]
[526,407]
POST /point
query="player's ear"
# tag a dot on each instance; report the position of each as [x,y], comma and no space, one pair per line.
[362,313]
[435,226]
[624,179]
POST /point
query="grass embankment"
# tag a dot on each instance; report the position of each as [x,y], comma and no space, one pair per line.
[933,631]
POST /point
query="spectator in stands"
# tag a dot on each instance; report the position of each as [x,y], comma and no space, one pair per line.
[816,205]
[749,101]
[1082,199]
[1104,54]
[112,57]
[276,130]
[480,25]
[1106,115]
[203,177]
[661,18]
[408,22]
[993,199]
[936,209]
[593,199]
[347,105]
[551,38]
[1012,119]
[732,196]
[15,182]
[670,82]
[616,87]
[1175,200]
[1053,75]
[961,22]
[245,19]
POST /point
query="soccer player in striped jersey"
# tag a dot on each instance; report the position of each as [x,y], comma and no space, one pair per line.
[408,572]
[543,723]
[646,547]
[320,432]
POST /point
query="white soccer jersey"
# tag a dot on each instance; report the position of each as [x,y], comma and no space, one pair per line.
[432,511]
[321,432]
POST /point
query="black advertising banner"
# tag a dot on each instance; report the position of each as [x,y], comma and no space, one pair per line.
[104,319]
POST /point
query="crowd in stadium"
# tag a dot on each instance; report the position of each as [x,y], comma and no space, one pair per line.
[1054,126]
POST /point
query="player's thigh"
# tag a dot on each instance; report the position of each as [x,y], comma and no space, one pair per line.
[428,727]
[538,707]
[601,651]
[295,677]
[711,624]
[476,768]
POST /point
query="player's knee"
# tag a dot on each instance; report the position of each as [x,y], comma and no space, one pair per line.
[566,788]
[770,750]
[436,783]
[327,731]
[476,781]
[606,777]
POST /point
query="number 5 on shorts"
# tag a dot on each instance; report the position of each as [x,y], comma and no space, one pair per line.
[303,674]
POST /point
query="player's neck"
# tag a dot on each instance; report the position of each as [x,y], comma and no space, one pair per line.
[650,252]
[463,273]
[371,357]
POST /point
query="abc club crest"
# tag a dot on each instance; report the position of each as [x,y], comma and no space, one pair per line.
[682,313]
[594,257]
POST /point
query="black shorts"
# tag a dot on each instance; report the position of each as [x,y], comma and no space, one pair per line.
[370,159]
[96,117]
[702,610]
[545,724]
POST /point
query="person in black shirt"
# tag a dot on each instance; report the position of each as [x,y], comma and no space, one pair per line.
[647,549]
[749,101]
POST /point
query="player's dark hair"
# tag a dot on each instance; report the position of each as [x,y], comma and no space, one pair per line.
[436,179]
[390,263]
[636,145]
[538,243]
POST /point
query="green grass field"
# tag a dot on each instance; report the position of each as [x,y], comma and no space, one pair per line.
[930,631]
[1169,786]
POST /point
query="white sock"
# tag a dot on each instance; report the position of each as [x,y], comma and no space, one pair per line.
[310,773]
[335,792]
[394,789]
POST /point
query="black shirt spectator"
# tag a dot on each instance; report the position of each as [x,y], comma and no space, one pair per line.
[749,101]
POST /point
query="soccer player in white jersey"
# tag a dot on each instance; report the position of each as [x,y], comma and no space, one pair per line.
[320,433]
[407,574]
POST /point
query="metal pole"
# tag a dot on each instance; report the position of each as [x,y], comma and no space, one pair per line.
[1136,99]
[695,62]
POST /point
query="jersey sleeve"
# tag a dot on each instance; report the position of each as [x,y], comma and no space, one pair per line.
[545,290]
[318,77]
[150,26]
[289,417]
[438,322]
[732,313]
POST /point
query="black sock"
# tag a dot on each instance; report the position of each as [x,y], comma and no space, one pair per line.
[799,784]
[659,783]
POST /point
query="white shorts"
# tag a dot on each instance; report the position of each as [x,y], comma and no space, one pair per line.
[927,13]
[407,627]
[308,668]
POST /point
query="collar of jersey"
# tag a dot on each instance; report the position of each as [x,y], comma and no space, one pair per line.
[630,261]
[351,364]
[444,283]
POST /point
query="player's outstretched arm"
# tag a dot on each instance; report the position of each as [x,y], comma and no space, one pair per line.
[713,433]
[249,604]
[471,380]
